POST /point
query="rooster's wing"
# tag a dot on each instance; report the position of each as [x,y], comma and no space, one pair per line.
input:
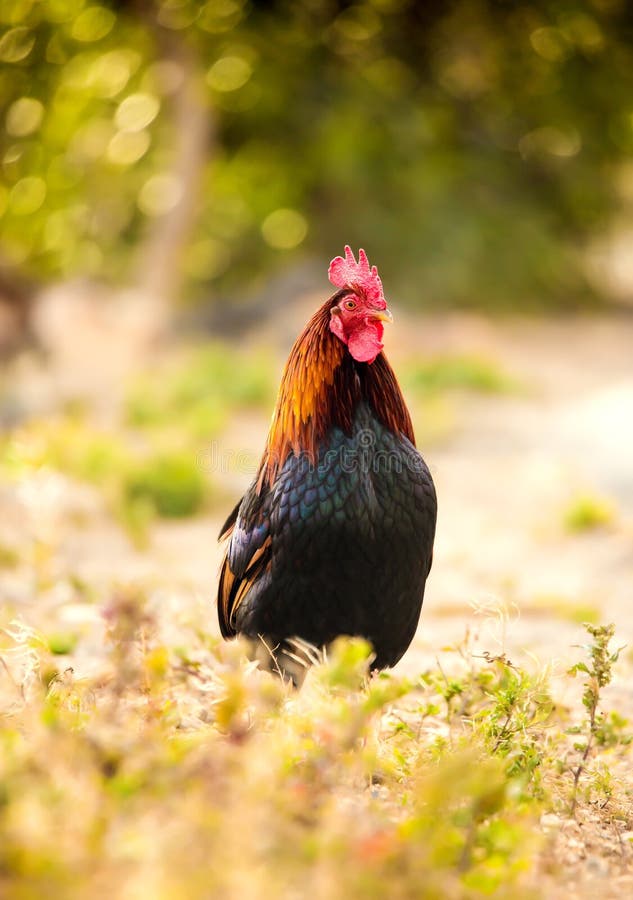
[248,554]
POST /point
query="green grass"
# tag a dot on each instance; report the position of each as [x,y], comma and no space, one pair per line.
[67,443]
[139,479]
[190,773]
[171,484]
[466,373]
[562,607]
[147,463]
[200,393]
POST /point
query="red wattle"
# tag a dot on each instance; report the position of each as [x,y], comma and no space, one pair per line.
[364,342]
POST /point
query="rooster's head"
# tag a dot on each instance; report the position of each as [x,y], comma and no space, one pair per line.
[357,316]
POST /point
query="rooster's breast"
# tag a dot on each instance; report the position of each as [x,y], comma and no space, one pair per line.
[352,539]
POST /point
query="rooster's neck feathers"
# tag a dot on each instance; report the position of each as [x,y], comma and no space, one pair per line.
[320,388]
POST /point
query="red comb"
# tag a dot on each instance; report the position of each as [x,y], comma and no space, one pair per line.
[347,273]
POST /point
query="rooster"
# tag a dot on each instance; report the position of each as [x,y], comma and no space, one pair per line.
[335,534]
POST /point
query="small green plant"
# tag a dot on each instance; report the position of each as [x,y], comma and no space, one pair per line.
[172,484]
[599,672]
[9,557]
[60,643]
[587,513]
[469,373]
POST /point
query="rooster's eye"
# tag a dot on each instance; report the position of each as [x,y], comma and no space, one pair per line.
[349,304]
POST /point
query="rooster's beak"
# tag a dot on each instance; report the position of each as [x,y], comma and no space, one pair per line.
[383,315]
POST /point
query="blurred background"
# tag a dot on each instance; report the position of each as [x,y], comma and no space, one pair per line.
[176,176]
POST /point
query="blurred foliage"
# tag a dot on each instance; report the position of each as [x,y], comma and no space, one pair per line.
[202,391]
[468,373]
[138,482]
[587,513]
[563,607]
[192,773]
[173,485]
[9,557]
[158,456]
[473,148]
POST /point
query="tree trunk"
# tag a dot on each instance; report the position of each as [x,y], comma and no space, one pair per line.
[160,274]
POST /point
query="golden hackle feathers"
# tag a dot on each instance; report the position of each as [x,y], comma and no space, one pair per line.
[320,388]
